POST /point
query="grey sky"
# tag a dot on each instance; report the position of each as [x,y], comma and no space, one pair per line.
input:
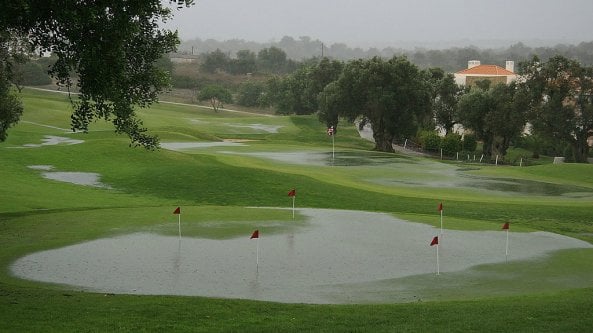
[387,22]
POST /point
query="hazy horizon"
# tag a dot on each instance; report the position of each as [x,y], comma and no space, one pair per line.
[396,23]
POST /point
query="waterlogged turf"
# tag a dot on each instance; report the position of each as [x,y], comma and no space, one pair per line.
[398,171]
[335,257]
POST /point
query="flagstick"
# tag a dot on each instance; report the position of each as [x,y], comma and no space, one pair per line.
[441,224]
[179,223]
[293,199]
[438,268]
[333,148]
[257,257]
[506,253]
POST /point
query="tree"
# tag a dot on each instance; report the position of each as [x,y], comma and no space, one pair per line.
[272,60]
[216,95]
[496,116]
[250,94]
[561,93]
[215,61]
[11,108]
[394,96]
[446,94]
[298,93]
[110,46]
[30,74]
[244,63]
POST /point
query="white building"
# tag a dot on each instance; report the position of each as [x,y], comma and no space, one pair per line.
[477,72]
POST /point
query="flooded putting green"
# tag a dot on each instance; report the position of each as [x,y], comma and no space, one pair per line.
[309,264]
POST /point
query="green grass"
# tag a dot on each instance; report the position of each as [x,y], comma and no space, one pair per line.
[214,189]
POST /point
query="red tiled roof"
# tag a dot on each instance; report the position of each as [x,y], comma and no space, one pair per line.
[486,70]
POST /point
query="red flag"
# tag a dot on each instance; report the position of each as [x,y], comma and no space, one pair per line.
[292,193]
[440,207]
[255,234]
[505,226]
[330,131]
[435,241]
[177,210]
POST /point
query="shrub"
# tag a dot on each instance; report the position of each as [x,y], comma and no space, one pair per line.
[214,91]
[430,140]
[469,143]
[451,143]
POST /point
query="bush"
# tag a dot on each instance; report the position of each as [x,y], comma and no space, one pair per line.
[32,74]
[217,92]
[250,94]
[429,140]
[469,143]
[183,82]
[451,144]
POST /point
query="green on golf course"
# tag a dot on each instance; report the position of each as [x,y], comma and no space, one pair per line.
[230,173]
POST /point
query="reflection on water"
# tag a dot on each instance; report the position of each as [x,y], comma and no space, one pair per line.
[301,265]
[502,186]
[339,158]
[530,187]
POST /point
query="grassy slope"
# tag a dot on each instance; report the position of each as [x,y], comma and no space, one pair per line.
[38,214]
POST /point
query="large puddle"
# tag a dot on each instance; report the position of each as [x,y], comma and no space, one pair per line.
[497,186]
[340,158]
[303,265]
[52,140]
[73,177]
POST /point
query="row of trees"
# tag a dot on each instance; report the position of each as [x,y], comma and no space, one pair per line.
[399,100]
[449,59]
[268,60]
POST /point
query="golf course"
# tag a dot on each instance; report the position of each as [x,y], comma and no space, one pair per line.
[89,241]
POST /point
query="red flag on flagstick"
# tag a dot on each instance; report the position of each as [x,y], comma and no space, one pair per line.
[330,131]
[255,234]
[440,207]
[292,193]
[505,226]
[435,241]
[177,210]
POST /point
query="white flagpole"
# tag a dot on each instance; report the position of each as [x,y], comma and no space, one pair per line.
[333,147]
[293,199]
[179,224]
[257,256]
[438,268]
[441,223]
[506,253]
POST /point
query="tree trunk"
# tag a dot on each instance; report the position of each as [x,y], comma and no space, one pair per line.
[383,141]
[580,150]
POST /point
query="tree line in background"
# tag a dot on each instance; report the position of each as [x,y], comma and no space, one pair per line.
[450,59]
[402,96]
[400,100]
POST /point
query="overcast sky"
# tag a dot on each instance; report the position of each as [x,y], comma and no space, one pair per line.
[383,23]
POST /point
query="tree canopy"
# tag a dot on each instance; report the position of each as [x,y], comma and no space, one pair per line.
[393,95]
[106,49]
[496,115]
[562,101]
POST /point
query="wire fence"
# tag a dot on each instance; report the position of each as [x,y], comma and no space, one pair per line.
[469,157]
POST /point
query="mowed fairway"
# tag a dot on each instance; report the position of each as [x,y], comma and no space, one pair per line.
[253,162]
